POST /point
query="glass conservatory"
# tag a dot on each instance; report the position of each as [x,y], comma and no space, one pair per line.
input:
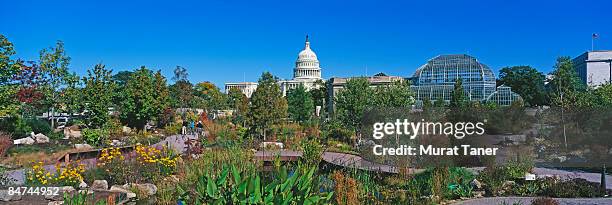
[435,80]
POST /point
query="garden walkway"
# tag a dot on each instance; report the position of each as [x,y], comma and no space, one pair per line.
[177,143]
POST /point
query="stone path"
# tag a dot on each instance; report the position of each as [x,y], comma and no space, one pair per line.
[527,201]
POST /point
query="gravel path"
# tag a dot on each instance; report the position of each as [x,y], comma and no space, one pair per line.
[527,201]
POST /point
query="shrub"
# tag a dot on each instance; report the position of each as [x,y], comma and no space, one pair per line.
[95,137]
[312,151]
[70,175]
[247,188]
[573,188]
[335,130]
[5,142]
[346,189]
[17,126]
[39,126]
[544,201]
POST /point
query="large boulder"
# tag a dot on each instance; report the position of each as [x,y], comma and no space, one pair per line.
[99,185]
[83,146]
[40,138]
[5,196]
[147,188]
[121,189]
[71,132]
[25,140]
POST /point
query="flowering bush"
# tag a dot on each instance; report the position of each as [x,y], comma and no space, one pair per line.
[70,175]
[163,159]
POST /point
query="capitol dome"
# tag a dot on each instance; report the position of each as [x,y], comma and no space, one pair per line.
[307,64]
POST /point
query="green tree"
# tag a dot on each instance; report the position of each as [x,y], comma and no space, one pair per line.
[161,94]
[565,84]
[212,96]
[239,102]
[139,105]
[352,101]
[458,98]
[397,95]
[98,95]
[54,65]
[525,81]
[301,105]
[182,90]
[72,95]
[268,106]
[122,77]
[8,104]
[319,96]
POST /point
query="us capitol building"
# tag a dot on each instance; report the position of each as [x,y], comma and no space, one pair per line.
[307,72]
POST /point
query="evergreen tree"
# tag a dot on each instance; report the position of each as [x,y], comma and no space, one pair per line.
[162,94]
[301,105]
[458,98]
[98,95]
[268,106]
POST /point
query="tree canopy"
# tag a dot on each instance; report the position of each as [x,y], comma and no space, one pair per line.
[525,81]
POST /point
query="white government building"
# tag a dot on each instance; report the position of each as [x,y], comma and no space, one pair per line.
[307,72]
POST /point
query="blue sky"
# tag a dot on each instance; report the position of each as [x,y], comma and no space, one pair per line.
[222,41]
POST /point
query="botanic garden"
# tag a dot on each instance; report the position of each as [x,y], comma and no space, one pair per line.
[137,136]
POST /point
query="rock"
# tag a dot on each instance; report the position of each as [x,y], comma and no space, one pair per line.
[116,143]
[120,189]
[99,185]
[56,203]
[4,196]
[60,194]
[25,140]
[147,188]
[476,184]
[41,138]
[126,130]
[71,132]
[83,146]
[68,189]
[82,185]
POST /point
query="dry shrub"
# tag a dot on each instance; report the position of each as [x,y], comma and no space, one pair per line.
[544,201]
[5,142]
[346,189]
